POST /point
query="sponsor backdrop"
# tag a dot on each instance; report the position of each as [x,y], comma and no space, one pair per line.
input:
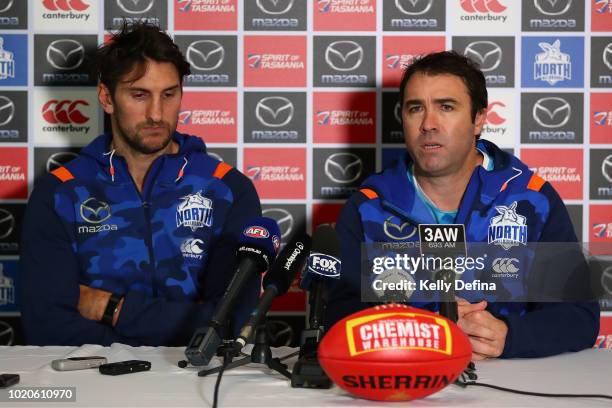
[301,95]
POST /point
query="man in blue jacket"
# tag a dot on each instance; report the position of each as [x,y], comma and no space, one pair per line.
[134,241]
[450,176]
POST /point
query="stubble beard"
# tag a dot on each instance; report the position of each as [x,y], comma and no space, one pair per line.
[134,140]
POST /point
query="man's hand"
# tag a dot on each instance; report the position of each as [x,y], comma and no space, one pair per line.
[486,333]
[92,302]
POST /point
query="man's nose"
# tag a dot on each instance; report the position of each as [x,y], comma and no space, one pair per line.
[155,112]
[430,121]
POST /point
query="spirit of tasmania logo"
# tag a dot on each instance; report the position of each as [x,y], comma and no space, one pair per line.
[399,331]
[508,229]
[194,212]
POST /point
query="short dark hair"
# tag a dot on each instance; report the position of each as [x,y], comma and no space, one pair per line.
[453,63]
[130,48]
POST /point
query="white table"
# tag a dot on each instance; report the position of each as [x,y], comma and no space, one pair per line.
[589,371]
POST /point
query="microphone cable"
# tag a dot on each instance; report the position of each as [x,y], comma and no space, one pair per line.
[227,358]
[469,377]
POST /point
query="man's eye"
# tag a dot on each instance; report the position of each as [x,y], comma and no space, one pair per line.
[414,109]
[447,108]
[138,95]
[169,94]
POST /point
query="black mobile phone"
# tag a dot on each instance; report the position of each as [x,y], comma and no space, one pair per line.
[6,380]
[124,367]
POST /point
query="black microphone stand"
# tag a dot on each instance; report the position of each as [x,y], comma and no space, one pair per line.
[261,354]
[307,371]
[448,309]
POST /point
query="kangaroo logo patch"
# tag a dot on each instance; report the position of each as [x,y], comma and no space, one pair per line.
[508,229]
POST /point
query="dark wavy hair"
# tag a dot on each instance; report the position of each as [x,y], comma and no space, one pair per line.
[453,63]
[129,49]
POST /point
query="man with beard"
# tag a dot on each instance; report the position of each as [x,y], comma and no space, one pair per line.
[134,241]
[449,176]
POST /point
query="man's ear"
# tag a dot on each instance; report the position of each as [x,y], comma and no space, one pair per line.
[479,121]
[105,99]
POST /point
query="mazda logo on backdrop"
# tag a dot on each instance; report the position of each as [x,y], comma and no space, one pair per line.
[205,55]
[487,54]
[275,7]
[65,54]
[6,5]
[135,6]
[606,168]
[552,7]
[59,159]
[283,218]
[7,223]
[7,110]
[343,168]
[607,56]
[552,112]
[344,55]
[274,111]
[414,7]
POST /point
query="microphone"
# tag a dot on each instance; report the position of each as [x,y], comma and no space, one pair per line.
[323,262]
[448,304]
[277,281]
[444,240]
[257,248]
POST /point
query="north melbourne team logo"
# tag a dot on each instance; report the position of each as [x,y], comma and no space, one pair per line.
[7,288]
[194,212]
[7,62]
[552,65]
[508,229]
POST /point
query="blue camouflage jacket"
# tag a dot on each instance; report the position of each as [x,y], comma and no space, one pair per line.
[169,249]
[387,209]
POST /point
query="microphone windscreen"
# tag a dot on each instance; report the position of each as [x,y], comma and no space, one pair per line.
[288,263]
[325,241]
[263,233]
[324,258]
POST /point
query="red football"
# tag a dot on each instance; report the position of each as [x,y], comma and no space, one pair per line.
[394,353]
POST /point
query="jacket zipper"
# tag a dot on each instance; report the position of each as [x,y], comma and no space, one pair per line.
[149,243]
[148,238]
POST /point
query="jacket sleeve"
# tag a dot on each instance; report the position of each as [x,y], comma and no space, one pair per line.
[550,328]
[344,294]
[155,321]
[49,280]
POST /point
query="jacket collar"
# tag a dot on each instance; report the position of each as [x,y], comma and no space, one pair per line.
[114,166]
[397,193]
